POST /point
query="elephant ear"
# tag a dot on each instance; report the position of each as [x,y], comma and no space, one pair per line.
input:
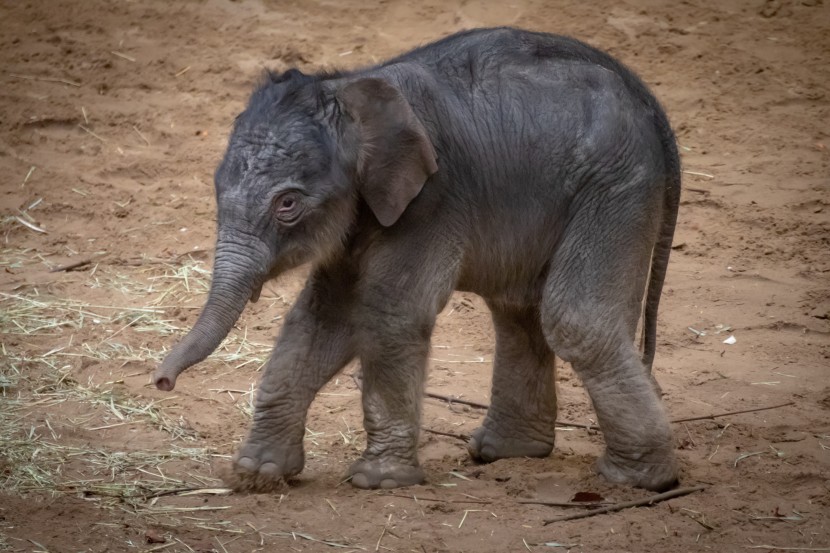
[395,156]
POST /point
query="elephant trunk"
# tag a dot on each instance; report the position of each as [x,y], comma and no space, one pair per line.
[233,285]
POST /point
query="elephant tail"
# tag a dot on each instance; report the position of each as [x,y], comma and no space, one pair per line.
[662,249]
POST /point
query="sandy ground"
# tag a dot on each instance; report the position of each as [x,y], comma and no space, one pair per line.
[114,116]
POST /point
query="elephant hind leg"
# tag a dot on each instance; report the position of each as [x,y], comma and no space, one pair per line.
[590,308]
[520,420]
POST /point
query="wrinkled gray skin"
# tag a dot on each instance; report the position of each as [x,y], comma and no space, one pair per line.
[527,168]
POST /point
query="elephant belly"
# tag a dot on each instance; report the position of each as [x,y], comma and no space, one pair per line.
[508,266]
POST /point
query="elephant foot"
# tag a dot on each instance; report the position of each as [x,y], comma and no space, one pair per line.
[384,473]
[486,446]
[258,469]
[656,475]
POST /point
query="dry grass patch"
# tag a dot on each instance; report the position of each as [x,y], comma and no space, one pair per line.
[41,351]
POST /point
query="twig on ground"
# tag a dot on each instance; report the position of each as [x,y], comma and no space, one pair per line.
[333,508]
[450,399]
[691,440]
[28,175]
[184,544]
[76,265]
[383,532]
[466,512]
[191,491]
[182,509]
[587,505]
[698,190]
[92,134]
[462,437]
[626,504]
[122,55]
[689,513]
[699,174]
[30,226]
[780,548]
[295,535]
[140,134]
[44,79]
[222,545]
[743,456]
[577,425]
[160,547]
[716,415]
[416,498]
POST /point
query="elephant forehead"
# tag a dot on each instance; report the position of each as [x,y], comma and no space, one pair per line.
[279,149]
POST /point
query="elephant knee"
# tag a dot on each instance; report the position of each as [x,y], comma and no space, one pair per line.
[575,335]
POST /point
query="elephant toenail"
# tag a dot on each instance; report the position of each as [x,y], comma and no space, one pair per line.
[271,470]
[388,484]
[246,463]
[360,480]
[488,453]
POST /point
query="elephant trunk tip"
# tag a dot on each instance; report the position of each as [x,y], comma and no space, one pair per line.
[165,376]
[229,293]
[164,382]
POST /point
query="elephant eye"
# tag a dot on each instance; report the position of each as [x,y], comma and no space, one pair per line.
[288,207]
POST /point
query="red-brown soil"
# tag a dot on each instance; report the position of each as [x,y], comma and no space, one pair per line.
[114,115]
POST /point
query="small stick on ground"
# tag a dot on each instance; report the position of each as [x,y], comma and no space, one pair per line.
[586,505]
[577,425]
[122,55]
[140,134]
[716,415]
[414,498]
[699,520]
[462,437]
[160,547]
[44,79]
[30,226]
[29,174]
[76,265]
[383,532]
[698,190]
[625,505]
[780,548]
[688,433]
[450,399]
[698,174]
[333,508]
[222,545]
[92,134]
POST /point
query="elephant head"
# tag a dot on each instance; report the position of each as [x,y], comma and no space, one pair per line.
[302,157]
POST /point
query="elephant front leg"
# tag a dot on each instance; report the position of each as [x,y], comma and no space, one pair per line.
[393,346]
[406,281]
[393,357]
[522,414]
[315,343]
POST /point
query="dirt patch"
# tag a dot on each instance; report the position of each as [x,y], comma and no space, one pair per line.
[114,117]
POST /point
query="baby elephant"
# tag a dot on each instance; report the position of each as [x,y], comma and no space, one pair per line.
[527,168]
